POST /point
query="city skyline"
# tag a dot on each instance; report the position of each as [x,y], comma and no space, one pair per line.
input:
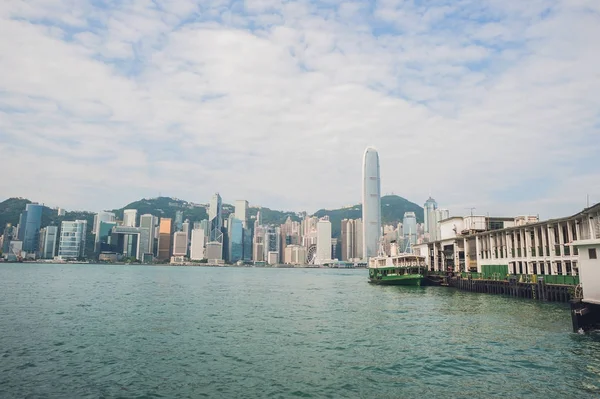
[143,98]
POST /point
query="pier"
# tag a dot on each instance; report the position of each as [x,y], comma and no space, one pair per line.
[538,290]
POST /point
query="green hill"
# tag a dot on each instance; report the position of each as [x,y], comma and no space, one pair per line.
[392,212]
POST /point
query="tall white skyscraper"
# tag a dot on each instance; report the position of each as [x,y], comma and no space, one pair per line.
[198,243]
[130,217]
[371,203]
[323,241]
[241,212]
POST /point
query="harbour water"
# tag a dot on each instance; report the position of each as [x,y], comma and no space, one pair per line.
[90,331]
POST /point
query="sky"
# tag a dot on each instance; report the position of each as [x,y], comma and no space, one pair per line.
[491,104]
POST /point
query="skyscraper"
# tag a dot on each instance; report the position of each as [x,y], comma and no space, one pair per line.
[371,203]
[241,211]
[235,230]
[148,221]
[323,241]
[31,233]
[409,228]
[178,221]
[430,225]
[198,243]
[102,217]
[130,217]
[72,239]
[164,239]
[215,219]
[49,244]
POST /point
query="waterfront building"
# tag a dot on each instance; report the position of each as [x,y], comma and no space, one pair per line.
[241,212]
[290,235]
[49,242]
[247,244]
[272,241]
[409,228]
[215,222]
[214,252]
[164,239]
[272,257]
[235,232]
[15,250]
[32,220]
[103,236]
[149,222]
[323,254]
[72,240]
[523,244]
[258,246]
[130,217]
[197,245]
[180,243]
[129,242]
[7,237]
[371,202]
[295,255]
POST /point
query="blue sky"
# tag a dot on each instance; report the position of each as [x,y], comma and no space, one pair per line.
[487,104]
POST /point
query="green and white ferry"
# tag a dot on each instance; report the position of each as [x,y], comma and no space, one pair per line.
[401,269]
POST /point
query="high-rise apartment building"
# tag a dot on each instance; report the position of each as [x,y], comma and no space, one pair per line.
[371,202]
[72,240]
[348,239]
[164,239]
[130,217]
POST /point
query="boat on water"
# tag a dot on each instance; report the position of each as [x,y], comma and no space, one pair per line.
[401,269]
[404,268]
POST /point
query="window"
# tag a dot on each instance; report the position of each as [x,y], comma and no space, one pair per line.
[592,253]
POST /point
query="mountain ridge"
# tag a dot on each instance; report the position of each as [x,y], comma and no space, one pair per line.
[393,208]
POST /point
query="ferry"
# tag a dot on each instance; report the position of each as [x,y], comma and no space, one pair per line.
[398,269]
[401,269]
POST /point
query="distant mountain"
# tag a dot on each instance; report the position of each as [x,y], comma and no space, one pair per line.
[392,212]
[166,207]
[393,208]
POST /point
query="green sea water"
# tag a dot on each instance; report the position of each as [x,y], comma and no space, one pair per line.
[91,331]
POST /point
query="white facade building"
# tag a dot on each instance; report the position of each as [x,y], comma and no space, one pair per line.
[323,254]
[198,243]
[130,218]
[241,212]
[180,243]
[371,203]
[72,240]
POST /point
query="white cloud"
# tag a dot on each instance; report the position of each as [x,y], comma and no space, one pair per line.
[275,102]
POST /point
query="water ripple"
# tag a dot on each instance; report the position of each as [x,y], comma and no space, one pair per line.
[174,332]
